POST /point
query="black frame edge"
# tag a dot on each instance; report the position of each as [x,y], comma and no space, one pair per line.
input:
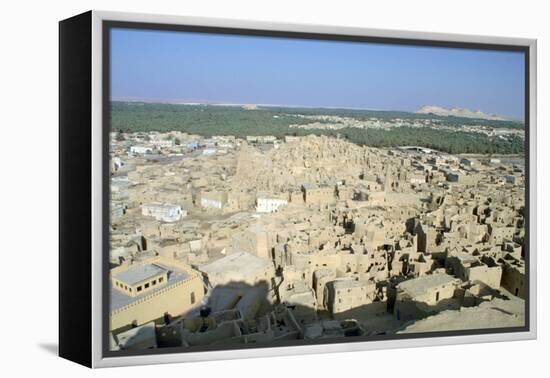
[75,215]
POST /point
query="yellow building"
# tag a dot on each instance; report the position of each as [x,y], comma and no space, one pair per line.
[147,290]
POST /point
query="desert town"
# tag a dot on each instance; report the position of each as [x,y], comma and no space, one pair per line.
[336,122]
[225,241]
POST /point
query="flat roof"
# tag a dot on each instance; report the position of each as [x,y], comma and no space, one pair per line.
[119,299]
[223,298]
[419,286]
[464,257]
[241,262]
[140,273]
[351,283]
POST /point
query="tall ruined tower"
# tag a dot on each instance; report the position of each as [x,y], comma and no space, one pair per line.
[387,181]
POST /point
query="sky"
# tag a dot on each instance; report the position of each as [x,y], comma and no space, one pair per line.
[214,68]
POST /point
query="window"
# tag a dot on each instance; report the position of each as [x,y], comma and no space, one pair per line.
[161,279]
[147,285]
[139,288]
[437,296]
[192,297]
[154,282]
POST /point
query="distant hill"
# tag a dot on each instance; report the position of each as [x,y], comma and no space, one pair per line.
[459,112]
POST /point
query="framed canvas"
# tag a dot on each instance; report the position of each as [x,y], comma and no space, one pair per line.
[234,189]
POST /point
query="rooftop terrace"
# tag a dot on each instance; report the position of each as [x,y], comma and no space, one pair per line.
[137,274]
[419,286]
[119,299]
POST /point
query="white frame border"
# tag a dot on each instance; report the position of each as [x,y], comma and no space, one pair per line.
[97,175]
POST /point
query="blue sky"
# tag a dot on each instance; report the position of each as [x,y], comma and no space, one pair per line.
[183,66]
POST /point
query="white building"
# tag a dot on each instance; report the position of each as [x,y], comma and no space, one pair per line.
[265,139]
[213,200]
[291,139]
[468,162]
[141,150]
[209,151]
[269,205]
[418,178]
[163,212]
[209,203]
[163,143]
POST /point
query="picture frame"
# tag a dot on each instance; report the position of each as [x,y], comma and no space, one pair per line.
[85,151]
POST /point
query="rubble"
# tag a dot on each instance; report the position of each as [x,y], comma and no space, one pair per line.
[313,237]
